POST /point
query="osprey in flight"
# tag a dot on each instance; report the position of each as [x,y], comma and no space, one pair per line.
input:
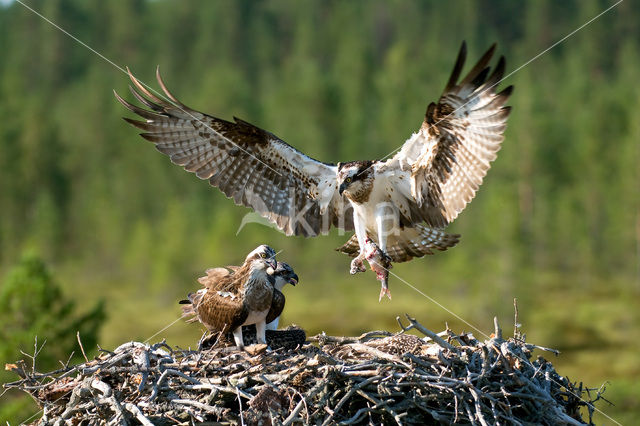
[402,203]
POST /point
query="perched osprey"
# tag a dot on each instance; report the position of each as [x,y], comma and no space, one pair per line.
[402,203]
[231,299]
[219,278]
[282,275]
[261,252]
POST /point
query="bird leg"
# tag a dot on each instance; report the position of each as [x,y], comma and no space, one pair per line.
[261,328]
[237,336]
[383,222]
[357,264]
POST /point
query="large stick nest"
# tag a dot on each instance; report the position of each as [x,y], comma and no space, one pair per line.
[378,377]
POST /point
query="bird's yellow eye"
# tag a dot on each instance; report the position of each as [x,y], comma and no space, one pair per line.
[348,180]
[262,255]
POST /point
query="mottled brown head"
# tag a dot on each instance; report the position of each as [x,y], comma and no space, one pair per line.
[355,180]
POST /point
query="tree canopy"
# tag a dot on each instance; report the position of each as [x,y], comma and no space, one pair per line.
[556,223]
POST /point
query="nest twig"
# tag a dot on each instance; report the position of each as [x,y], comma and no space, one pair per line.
[378,377]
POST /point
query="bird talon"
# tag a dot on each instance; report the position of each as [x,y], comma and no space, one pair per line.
[357,266]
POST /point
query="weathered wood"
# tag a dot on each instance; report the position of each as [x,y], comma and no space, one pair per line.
[377,377]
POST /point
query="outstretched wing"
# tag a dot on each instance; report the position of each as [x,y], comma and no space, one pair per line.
[250,165]
[460,136]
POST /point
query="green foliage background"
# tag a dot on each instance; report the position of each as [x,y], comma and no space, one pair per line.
[32,304]
[556,223]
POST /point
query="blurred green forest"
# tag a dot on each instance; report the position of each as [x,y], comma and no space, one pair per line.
[556,223]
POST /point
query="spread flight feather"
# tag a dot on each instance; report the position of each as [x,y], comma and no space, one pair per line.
[425,185]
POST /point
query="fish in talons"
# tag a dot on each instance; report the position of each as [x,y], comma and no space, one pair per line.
[380,263]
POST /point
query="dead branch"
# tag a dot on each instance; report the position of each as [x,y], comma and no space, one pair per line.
[433,336]
[377,377]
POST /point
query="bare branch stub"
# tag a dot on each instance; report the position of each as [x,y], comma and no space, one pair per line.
[81,347]
[497,330]
[413,324]
[377,377]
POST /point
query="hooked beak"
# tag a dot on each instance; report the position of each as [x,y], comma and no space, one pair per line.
[342,187]
[272,263]
[293,280]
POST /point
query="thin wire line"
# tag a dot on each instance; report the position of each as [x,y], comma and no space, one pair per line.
[250,154]
[445,117]
[73,37]
[166,327]
[515,71]
[488,336]
[147,86]
[33,415]
[146,341]
[504,78]
[68,392]
[437,303]
[180,317]
[560,41]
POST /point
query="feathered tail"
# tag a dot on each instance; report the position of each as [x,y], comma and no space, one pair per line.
[408,243]
[190,305]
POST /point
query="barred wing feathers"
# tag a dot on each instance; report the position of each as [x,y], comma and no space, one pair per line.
[220,312]
[277,306]
[459,138]
[250,165]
